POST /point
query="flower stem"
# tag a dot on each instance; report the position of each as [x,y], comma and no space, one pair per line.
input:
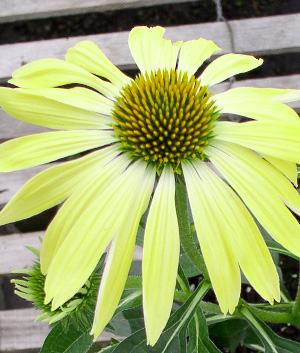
[186,237]
[272,316]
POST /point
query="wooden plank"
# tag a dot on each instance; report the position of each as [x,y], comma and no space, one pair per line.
[11,127]
[16,10]
[15,128]
[20,332]
[15,256]
[11,182]
[266,35]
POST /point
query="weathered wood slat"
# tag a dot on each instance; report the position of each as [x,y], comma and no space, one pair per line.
[15,128]
[15,256]
[16,10]
[267,35]
[19,332]
[11,127]
[11,182]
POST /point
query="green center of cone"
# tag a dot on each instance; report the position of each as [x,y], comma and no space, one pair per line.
[165,118]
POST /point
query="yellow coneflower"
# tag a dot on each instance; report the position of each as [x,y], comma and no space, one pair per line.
[162,123]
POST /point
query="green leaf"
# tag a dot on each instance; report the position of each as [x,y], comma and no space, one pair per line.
[130,299]
[231,333]
[272,342]
[127,322]
[273,246]
[182,281]
[189,268]
[199,336]
[174,337]
[71,340]
[109,349]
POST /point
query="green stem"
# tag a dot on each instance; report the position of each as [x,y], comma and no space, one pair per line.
[296,306]
[265,306]
[210,307]
[186,237]
[272,316]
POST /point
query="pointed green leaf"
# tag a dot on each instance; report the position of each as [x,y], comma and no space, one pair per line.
[182,281]
[199,340]
[70,340]
[272,342]
[174,337]
[273,246]
[130,299]
[231,333]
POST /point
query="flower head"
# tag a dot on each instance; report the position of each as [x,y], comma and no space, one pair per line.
[162,123]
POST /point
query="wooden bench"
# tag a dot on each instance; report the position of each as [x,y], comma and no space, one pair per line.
[258,36]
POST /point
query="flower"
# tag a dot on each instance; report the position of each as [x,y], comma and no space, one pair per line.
[163,123]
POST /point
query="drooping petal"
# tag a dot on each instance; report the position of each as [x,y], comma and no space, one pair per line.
[72,209]
[280,140]
[150,50]
[289,169]
[79,97]
[226,66]
[32,150]
[220,259]
[160,257]
[120,255]
[193,53]
[272,175]
[260,197]
[255,104]
[53,185]
[89,56]
[40,110]
[54,73]
[90,235]
[241,234]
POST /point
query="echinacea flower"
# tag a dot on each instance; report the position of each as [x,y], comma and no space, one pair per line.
[163,123]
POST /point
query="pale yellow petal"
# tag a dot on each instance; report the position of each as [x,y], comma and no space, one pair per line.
[53,185]
[228,65]
[121,253]
[241,234]
[54,73]
[160,257]
[90,235]
[150,50]
[260,197]
[79,97]
[220,259]
[81,198]
[272,175]
[27,106]
[256,104]
[276,139]
[193,53]
[289,169]
[90,57]
[32,150]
